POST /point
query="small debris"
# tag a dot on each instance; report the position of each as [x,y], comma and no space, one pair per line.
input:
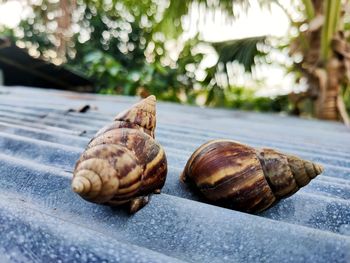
[83,109]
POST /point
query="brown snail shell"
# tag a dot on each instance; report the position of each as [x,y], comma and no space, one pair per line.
[240,177]
[123,164]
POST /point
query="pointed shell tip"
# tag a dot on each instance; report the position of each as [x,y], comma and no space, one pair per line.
[80,185]
[319,168]
[77,186]
[151,97]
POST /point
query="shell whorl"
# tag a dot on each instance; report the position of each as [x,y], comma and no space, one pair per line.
[101,170]
[238,176]
[154,162]
[123,163]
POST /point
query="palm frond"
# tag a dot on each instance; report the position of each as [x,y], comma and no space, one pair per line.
[309,9]
[332,13]
[243,51]
[171,22]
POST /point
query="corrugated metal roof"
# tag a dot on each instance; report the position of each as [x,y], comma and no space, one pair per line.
[42,220]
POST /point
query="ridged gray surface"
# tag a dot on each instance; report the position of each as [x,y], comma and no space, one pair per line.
[41,220]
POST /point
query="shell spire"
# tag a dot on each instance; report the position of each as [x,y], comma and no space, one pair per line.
[142,113]
[286,173]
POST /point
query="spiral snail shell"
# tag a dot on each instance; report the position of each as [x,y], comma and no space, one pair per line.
[240,177]
[123,164]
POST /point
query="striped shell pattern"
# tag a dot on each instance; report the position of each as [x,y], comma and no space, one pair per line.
[123,164]
[239,177]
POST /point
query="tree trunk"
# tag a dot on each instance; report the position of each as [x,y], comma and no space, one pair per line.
[64,23]
[330,104]
[325,65]
[326,104]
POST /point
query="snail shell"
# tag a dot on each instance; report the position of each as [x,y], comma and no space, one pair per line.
[240,177]
[123,164]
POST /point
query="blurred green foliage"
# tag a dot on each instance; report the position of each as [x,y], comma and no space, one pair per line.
[121,45]
[245,99]
[114,78]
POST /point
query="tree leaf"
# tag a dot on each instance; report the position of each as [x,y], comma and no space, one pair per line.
[243,51]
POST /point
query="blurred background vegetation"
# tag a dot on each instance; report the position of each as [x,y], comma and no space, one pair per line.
[159,47]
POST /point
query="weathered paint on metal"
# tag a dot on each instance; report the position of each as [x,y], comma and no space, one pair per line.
[42,220]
